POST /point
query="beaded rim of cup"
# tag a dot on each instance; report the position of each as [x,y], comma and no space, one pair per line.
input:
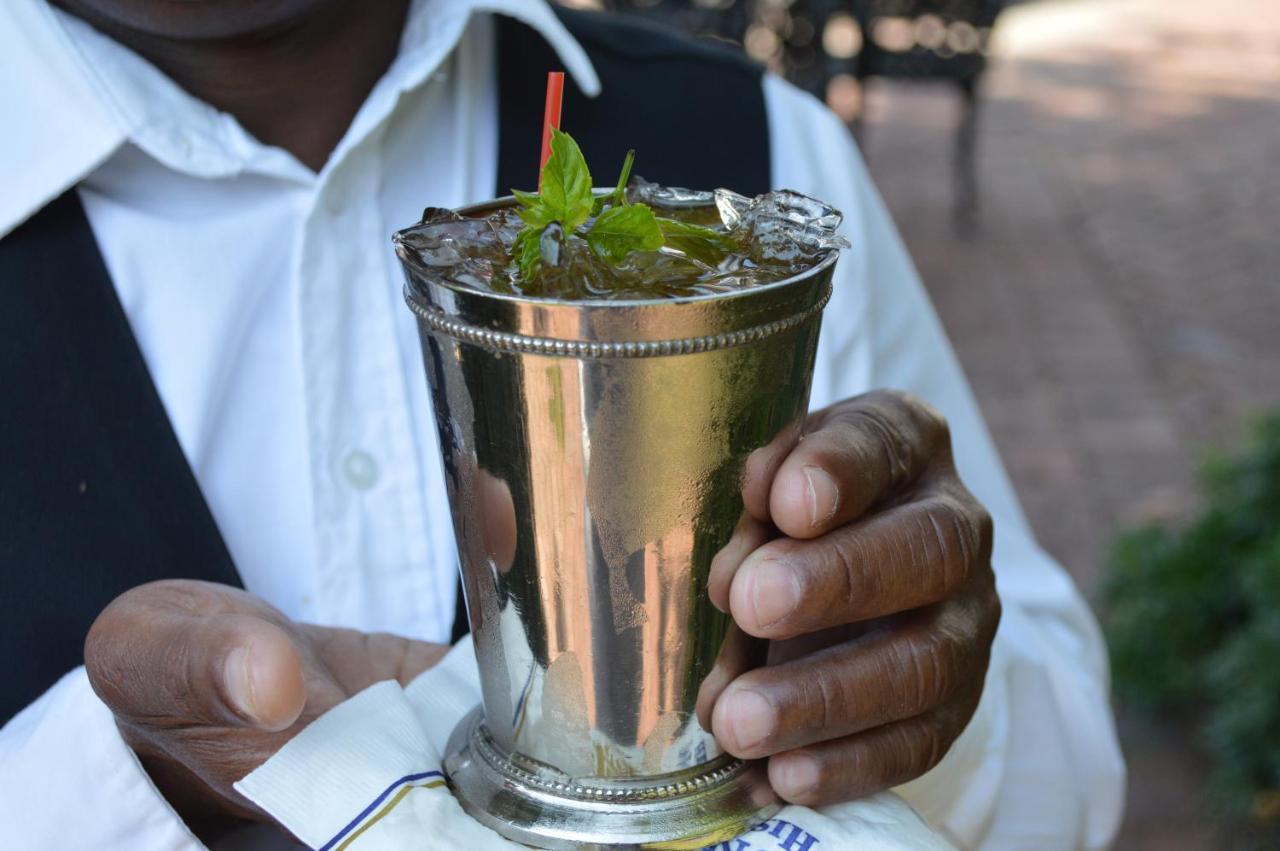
[623,790]
[507,342]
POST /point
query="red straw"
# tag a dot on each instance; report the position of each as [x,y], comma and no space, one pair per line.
[550,116]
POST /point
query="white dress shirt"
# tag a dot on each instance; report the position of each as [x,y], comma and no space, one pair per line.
[266,301]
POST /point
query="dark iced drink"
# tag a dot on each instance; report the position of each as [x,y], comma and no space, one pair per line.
[761,240]
[598,389]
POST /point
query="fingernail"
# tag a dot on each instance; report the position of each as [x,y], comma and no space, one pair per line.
[775,590]
[238,678]
[824,495]
[796,775]
[750,718]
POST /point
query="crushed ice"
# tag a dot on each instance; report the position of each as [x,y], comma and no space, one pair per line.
[776,235]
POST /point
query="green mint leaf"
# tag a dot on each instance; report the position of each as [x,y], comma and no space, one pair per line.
[533,211]
[528,252]
[536,217]
[620,230]
[566,183]
[703,244]
[620,191]
[618,197]
[527,199]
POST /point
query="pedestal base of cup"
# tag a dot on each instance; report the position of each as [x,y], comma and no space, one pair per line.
[536,805]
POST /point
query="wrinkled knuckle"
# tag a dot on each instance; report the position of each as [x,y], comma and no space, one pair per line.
[894,758]
[932,661]
[955,540]
[945,658]
[930,745]
[888,442]
[850,582]
[909,407]
[829,705]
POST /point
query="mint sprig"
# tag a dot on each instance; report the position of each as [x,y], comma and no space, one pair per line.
[527,251]
[619,195]
[618,231]
[619,227]
[565,194]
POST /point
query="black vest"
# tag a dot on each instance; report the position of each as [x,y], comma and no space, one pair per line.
[96,496]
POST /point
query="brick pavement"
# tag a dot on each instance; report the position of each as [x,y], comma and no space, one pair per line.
[1118,311]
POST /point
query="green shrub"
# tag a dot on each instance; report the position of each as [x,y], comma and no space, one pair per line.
[1193,621]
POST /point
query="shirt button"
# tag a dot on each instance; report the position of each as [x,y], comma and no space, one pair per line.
[360,470]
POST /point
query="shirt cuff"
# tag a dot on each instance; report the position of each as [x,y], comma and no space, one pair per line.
[70,781]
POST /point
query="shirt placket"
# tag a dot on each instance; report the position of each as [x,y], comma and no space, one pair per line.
[371,542]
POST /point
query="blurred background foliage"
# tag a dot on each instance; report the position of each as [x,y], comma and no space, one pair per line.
[1193,619]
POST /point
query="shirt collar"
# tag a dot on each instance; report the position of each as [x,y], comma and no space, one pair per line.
[79,96]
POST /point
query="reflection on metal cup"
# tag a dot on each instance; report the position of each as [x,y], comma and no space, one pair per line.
[594,454]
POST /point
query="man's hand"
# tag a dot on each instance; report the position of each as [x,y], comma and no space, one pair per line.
[207,682]
[879,602]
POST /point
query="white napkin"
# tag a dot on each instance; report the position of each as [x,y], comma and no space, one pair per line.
[366,776]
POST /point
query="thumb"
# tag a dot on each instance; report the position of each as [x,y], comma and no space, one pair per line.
[183,653]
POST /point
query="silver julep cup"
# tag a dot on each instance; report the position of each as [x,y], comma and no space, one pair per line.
[594,454]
